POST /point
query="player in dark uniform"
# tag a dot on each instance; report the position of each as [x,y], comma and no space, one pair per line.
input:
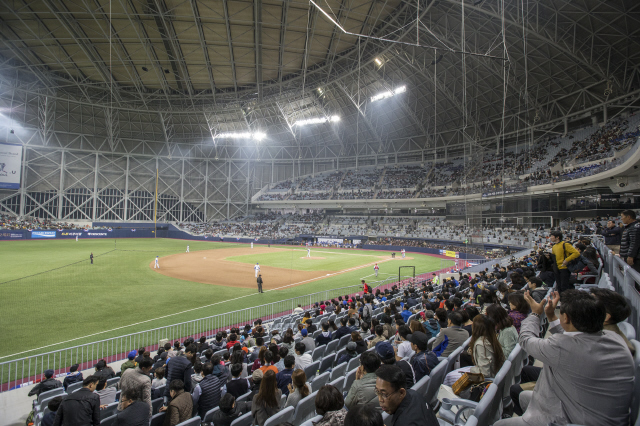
[259,280]
[91,258]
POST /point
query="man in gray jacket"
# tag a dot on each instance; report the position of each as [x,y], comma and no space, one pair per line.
[454,332]
[363,389]
[588,373]
[138,381]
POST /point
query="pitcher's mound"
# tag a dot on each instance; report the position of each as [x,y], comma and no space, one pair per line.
[312,257]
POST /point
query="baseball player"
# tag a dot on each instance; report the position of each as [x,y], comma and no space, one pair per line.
[157,265]
[91,258]
[251,244]
[187,249]
[308,252]
[76,238]
[259,281]
[376,268]
[402,251]
[257,269]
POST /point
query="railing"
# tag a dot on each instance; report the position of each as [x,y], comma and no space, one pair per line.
[29,368]
[625,280]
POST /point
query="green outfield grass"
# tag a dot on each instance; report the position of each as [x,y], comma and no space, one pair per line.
[50,293]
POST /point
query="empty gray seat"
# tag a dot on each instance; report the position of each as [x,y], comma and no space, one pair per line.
[351,377]
[156,404]
[318,353]
[339,371]
[327,362]
[305,409]
[73,387]
[283,416]
[339,354]
[52,393]
[320,381]
[208,417]
[422,385]
[193,421]
[353,363]
[338,384]
[109,410]
[311,370]
[113,381]
[243,397]
[311,421]
[109,421]
[244,420]
[158,419]
[437,378]
[344,340]
[331,347]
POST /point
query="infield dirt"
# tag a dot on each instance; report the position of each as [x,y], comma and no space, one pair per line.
[211,267]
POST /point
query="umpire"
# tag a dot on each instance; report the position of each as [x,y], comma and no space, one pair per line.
[259,280]
[630,241]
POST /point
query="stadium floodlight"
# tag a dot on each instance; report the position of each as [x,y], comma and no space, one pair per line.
[318,120]
[389,93]
[258,136]
[378,61]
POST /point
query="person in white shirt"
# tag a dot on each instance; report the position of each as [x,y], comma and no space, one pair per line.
[308,252]
[257,269]
[402,251]
[157,265]
[298,310]
[302,359]
[159,379]
[187,249]
[251,244]
[404,348]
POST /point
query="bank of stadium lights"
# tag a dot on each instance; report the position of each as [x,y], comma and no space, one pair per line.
[378,61]
[318,120]
[257,136]
[389,93]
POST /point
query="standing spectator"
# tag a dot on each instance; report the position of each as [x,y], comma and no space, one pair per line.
[180,407]
[267,402]
[588,374]
[139,382]
[50,417]
[134,412]
[630,242]
[73,377]
[406,406]
[297,389]
[81,407]
[362,391]
[180,368]
[612,236]
[423,360]
[330,405]
[206,395]
[564,253]
[238,385]
[284,377]
[454,333]
[49,383]
[229,411]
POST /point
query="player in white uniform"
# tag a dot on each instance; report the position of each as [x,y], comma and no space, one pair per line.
[157,265]
[375,269]
[257,269]
[251,244]
[76,238]
[187,249]
[308,252]
[402,253]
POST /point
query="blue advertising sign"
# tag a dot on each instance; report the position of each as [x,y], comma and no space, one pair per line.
[43,234]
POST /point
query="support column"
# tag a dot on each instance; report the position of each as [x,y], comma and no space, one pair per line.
[313,168]
[182,193]
[605,114]
[23,185]
[229,190]
[95,188]
[273,165]
[61,190]
[565,121]
[206,189]
[125,215]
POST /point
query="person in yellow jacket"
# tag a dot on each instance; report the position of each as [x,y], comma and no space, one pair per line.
[564,253]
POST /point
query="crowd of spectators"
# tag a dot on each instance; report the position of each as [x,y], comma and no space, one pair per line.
[8,222]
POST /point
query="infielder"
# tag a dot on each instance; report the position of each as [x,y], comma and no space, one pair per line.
[376,268]
[402,251]
[157,265]
[76,238]
[308,252]
[257,269]
[187,249]
[251,244]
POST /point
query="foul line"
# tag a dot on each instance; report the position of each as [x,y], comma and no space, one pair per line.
[341,254]
[188,310]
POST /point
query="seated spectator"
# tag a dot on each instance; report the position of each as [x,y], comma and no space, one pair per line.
[576,356]
[238,386]
[431,324]
[256,380]
[361,345]
[130,362]
[268,363]
[404,348]
[365,332]
[49,383]
[307,340]
[73,377]
[362,391]
[53,405]
[350,353]
[180,368]
[282,353]
[507,334]
[103,371]
[158,378]
[81,407]
[267,402]
[229,410]
[134,411]
[406,313]
[284,376]
[330,405]
[302,359]
[343,330]
[379,336]
[206,395]
[388,357]
[406,406]
[389,330]
[202,345]
[218,343]
[160,363]
[137,380]
[451,337]
[180,407]
[537,289]
[423,360]
[197,376]
[297,389]
[618,310]
[325,336]
[486,352]
[363,415]
[518,309]
[442,317]
[107,394]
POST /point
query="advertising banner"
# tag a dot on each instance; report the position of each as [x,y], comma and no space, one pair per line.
[450,253]
[10,166]
[43,234]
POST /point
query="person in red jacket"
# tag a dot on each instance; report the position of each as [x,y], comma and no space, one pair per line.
[365,287]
